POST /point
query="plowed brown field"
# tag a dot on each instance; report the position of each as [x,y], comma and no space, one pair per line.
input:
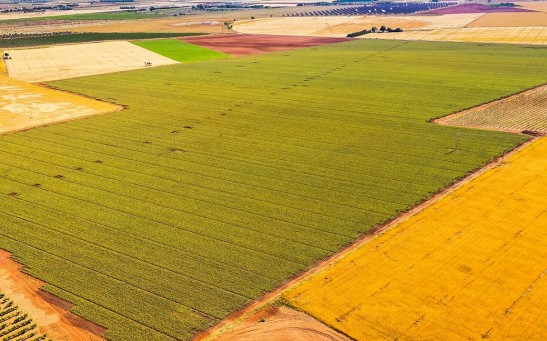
[247,44]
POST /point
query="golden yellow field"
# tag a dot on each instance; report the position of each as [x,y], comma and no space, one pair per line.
[470,266]
[23,106]
[525,19]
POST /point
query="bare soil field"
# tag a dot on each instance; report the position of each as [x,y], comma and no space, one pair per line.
[54,320]
[524,111]
[70,61]
[23,106]
[247,44]
[506,35]
[282,323]
[526,19]
[340,26]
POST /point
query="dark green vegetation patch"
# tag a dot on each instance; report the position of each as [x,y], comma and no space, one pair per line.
[7,41]
[224,178]
[180,51]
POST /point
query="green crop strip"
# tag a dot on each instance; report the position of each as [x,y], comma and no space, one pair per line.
[70,38]
[224,178]
[179,50]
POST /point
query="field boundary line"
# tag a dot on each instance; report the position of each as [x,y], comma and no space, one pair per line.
[373,233]
[444,120]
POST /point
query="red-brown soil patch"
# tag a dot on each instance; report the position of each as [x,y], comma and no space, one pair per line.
[248,44]
[280,324]
[49,312]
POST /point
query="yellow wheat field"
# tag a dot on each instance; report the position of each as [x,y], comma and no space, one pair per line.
[471,266]
[23,105]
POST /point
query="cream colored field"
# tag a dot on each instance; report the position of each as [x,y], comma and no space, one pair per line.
[340,26]
[524,19]
[470,266]
[525,111]
[540,6]
[173,25]
[508,35]
[69,61]
[23,106]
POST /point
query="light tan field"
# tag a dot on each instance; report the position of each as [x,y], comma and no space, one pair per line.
[173,25]
[524,111]
[340,26]
[50,319]
[23,106]
[540,6]
[470,266]
[531,19]
[507,35]
[69,61]
[279,324]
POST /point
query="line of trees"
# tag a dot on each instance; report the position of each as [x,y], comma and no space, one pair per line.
[374,29]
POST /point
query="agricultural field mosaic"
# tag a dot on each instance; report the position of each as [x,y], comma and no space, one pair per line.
[221,179]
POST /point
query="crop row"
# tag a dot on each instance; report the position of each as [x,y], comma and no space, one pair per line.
[224,178]
[68,37]
[15,325]
[526,111]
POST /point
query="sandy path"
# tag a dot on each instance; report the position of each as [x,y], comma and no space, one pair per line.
[279,324]
[77,60]
[24,291]
[23,106]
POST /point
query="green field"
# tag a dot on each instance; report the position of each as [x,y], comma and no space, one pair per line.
[61,38]
[179,50]
[223,178]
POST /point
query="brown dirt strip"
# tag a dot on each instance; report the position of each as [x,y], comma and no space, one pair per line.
[236,318]
[249,44]
[50,313]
